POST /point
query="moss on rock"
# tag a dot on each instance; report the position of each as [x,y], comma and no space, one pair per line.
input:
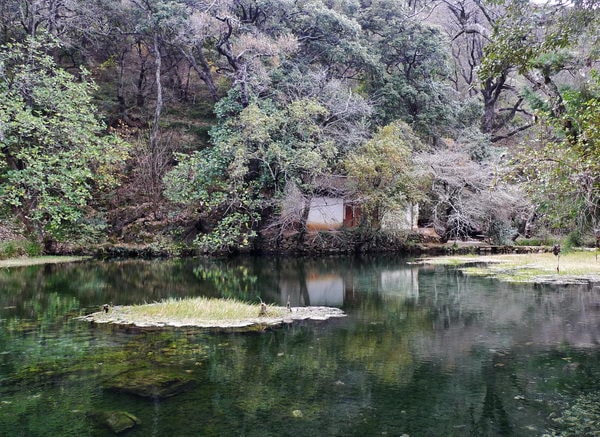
[116,421]
[150,383]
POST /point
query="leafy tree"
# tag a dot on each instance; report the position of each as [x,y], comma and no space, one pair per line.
[301,89]
[543,44]
[330,37]
[255,155]
[409,78]
[540,42]
[561,168]
[469,24]
[54,152]
[383,171]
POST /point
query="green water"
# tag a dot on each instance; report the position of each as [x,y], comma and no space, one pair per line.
[424,351]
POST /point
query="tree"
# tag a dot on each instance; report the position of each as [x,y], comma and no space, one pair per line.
[54,151]
[561,167]
[409,79]
[254,156]
[540,42]
[469,196]
[555,48]
[470,25]
[383,172]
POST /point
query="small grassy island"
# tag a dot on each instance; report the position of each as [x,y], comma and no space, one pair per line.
[581,267]
[210,313]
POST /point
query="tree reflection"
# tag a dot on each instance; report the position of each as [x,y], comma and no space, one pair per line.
[423,351]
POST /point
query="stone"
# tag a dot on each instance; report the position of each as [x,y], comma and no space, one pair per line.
[116,421]
[150,383]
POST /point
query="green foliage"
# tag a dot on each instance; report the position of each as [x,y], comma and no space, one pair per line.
[231,281]
[560,169]
[9,250]
[283,143]
[235,230]
[581,417]
[476,144]
[500,232]
[409,80]
[254,153]
[564,175]
[54,150]
[573,240]
[516,42]
[382,169]
[535,241]
[305,84]
[16,248]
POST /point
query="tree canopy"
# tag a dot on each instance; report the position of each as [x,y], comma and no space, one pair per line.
[233,106]
[55,153]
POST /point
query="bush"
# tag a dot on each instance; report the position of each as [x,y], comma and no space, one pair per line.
[17,248]
[574,239]
[8,250]
[33,248]
[538,240]
[501,233]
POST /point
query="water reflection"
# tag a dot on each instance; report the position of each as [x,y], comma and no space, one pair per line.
[313,289]
[476,312]
[423,351]
[333,282]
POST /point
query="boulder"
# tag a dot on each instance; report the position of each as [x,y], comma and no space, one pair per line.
[150,383]
[116,421]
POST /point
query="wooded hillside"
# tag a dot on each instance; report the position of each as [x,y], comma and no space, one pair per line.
[200,122]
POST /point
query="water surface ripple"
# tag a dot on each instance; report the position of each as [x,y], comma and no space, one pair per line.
[424,351]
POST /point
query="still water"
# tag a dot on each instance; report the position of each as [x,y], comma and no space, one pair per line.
[424,351]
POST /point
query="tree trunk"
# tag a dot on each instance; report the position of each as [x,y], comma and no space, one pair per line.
[159,96]
[121,85]
[489,113]
[203,71]
[140,97]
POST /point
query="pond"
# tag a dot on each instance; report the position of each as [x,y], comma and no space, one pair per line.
[423,351]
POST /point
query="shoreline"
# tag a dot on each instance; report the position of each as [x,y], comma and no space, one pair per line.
[129,251]
[519,264]
[41,260]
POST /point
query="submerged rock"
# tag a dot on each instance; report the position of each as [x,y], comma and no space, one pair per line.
[116,421]
[149,383]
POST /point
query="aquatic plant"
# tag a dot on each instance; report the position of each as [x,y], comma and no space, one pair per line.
[575,267]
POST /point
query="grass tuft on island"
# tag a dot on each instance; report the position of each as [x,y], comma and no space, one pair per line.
[202,308]
[580,267]
[207,312]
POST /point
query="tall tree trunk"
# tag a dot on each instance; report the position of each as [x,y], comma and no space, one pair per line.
[242,80]
[121,85]
[140,99]
[159,96]
[489,114]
